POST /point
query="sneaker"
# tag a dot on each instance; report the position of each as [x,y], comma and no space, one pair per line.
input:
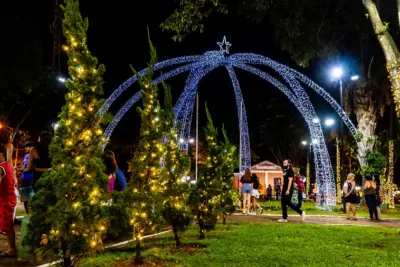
[303,215]
[282,221]
[261,210]
[252,213]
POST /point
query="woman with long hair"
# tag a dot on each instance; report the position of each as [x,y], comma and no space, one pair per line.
[120,180]
[39,161]
[111,169]
[370,197]
[255,194]
[349,190]
[247,189]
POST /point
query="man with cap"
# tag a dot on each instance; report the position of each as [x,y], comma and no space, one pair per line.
[26,190]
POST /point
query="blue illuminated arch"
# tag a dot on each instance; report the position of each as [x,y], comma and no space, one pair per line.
[200,66]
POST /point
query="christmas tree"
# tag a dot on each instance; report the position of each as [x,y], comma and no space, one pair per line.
[203,198]
[67,217]
[176,167]
[227,165]
[147,185]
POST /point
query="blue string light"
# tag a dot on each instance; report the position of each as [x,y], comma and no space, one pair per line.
[201,65]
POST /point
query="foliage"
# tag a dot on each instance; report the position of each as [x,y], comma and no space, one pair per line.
[213,194]
[67,216]
[375,160]
[228,162]
[190,16]
[147,185]
[176,166]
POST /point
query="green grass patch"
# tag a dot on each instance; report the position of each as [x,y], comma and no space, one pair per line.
[274,207]
[260,244]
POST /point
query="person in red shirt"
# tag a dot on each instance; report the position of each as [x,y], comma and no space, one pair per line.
[8,201]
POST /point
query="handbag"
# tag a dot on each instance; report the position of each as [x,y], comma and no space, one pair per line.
[295,198]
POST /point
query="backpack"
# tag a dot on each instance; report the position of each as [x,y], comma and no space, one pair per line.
[300,184]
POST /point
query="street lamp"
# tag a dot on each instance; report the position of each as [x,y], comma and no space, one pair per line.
[191,140]
[329,122]
[336,74]
[308,167]
[61,79]
[55,126]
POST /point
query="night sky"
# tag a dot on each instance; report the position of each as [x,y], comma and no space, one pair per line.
[118,37]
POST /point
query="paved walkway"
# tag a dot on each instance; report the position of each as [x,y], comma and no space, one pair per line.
[317,219]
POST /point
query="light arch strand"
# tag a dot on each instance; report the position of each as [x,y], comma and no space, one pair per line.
[201,65]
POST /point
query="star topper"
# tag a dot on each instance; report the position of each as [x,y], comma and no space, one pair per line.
[222,44]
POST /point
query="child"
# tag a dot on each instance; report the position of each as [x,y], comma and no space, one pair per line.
[8,201]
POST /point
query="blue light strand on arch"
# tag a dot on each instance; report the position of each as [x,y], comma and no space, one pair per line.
[210,60]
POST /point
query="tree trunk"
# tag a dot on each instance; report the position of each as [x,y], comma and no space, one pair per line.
[176,235]
[138,257]
[67,262]
[224,219]
[389,48]
[366,114]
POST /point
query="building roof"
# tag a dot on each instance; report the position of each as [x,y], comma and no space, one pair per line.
[265,165]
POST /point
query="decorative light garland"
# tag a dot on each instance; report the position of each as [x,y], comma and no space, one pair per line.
[338,173]
[210,60]
[387,185]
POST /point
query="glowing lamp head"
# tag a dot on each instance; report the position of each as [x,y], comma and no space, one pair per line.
[304,143]
[337,73]
[55,126]
[61,79]
[329,122]
[355,77]
[181,140]
[191,140]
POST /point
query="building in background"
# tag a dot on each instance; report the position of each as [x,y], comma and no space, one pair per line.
[267,173]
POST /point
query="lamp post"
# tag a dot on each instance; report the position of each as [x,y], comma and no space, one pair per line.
[337,74]
[308,167]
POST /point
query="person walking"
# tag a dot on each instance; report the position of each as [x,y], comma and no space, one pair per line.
[255,194]
[8,202]
[111,169]
[287,191]
[120,180]
[39,161]
[269,193]
[26,190]
[370,197]
[247,189]
[350,196]
[299,187]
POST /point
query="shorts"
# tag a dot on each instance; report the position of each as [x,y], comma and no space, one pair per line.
[246,188]
[7,207]
[26,193]
[255,193]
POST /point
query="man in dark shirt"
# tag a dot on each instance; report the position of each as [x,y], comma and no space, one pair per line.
[287,190]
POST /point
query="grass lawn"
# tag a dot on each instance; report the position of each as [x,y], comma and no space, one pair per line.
[259,244]
[273,207]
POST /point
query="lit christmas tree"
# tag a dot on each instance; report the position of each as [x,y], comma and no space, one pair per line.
[148,185]
[203,198]
[67,217]
[227,162]
[176,168]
